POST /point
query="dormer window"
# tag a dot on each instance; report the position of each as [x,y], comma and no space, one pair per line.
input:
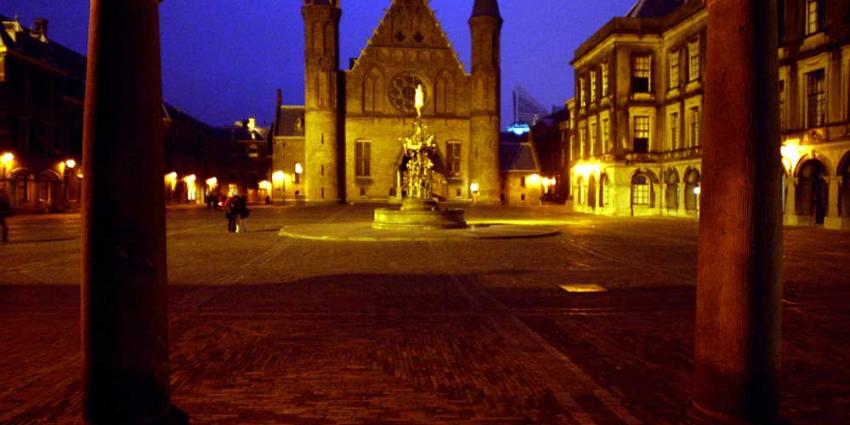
[814,16]
[641,73]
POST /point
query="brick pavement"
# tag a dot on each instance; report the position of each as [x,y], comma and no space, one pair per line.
[269,331]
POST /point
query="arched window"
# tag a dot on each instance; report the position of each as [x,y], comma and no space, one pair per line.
[444,94]
[604,187]
[373,89]
[591,192]
[813,191]
[671,193]
[692,190]
[641,190]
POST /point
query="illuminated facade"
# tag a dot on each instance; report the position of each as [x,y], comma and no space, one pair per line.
[353,119]
[41,117]
[636,143]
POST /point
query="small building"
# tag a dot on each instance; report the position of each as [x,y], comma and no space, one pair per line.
[550,136]
[288,151]
[521,181]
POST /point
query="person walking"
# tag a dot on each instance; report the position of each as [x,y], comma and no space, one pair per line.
[5,210]
[231,212]
[243,213]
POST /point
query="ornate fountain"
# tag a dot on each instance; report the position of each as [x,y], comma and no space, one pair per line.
[419,210]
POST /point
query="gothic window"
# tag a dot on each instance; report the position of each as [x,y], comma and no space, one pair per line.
[363,158]
[444,94]
[454,158]
[372,92]
[402,92]
[641,73]
[816,98]
[640,134]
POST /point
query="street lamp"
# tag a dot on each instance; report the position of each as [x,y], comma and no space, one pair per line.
[71,164]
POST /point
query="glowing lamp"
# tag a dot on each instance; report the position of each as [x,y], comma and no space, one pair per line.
[473,187]
[71,164]
[697,190]
[265,185]
[278,177]
[8,157]
[212,182]
[190,178]
[298,168]
[534,179]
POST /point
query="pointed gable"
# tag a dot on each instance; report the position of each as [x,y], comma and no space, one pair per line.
[411,24]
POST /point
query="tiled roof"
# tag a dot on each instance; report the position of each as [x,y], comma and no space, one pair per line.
[516,153]
[289,121]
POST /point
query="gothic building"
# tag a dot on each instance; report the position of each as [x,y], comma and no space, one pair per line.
[353,118]
[636,120]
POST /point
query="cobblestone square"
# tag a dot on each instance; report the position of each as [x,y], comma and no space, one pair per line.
[274,330]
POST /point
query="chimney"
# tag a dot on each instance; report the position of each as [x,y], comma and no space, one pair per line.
[39,29]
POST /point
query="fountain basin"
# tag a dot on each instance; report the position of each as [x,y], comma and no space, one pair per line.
[418,215]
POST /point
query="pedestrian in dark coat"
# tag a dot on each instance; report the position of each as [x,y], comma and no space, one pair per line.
[232,208]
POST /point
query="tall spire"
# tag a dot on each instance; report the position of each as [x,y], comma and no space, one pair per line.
[486,8]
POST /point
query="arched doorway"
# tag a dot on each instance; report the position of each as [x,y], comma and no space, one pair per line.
[844,192]
[671,193]
[641,193]
[692,190]
[603,190]
[813,191]
[591,192]
[49,185]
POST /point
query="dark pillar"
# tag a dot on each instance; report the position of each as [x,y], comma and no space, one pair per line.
[124,300]
[740,246]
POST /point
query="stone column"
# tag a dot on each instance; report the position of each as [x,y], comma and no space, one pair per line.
[791,201]
[124,299]
[740,246]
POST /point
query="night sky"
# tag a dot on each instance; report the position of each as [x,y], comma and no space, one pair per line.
[224,59]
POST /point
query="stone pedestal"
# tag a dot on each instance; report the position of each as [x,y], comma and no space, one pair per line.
[124,290]
[416,214]
[740,246]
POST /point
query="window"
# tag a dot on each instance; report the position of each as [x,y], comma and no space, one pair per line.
[522,181]
[782,106]
[582,95]
[693,127]
[674,70]
[604,79]
[641,73]
[641,134]
[694,65]
[816,98]
[594,139]
[592,87]
[582,142]
[640,190]
[363,154]
[814,16]
[298,170]
[674,130]
[453,155]
[606,134]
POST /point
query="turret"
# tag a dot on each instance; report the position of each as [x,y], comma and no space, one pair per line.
[485,124]
[321,159]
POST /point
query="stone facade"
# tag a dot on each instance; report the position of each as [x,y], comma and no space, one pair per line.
[354,118]
[636,140]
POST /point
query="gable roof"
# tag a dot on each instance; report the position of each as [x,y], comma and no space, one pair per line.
[516,154]
[413,14]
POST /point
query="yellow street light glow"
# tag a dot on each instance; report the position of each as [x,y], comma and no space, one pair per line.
[8,157]
[190,178]
[212,182]
[298,168]
[586,170]
[171,180]
[71,164]
[473,187]
[791,154]
[278,177]
[534,179]
[265,185]
[697,190]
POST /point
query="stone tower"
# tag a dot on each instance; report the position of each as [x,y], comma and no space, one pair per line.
[321,160]
[486,27]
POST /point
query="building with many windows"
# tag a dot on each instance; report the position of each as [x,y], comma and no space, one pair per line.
[636,143]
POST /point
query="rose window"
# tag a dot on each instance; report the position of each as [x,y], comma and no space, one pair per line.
[402,92]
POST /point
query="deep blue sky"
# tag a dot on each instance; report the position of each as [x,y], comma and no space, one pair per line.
[224,59]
